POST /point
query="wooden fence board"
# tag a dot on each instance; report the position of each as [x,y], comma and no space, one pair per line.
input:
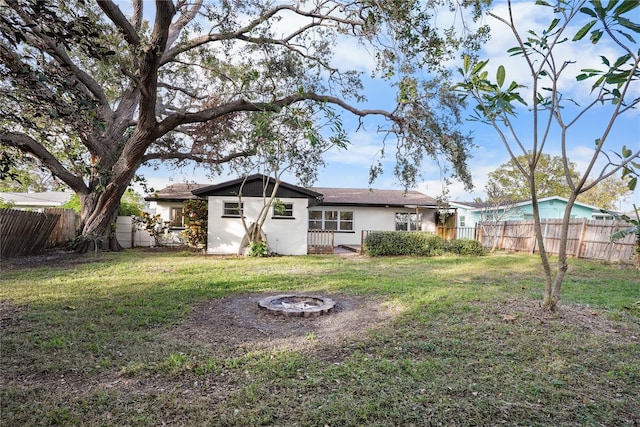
[65,229]
[589,239]
[24,233]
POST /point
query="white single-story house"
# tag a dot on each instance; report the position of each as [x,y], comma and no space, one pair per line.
[345,212]
[36,201]
[468,214]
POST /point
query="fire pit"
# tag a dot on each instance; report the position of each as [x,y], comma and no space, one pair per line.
[293,305]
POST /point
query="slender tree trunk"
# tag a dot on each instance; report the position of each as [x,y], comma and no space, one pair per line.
[549,300]
[254,232]
[554,296]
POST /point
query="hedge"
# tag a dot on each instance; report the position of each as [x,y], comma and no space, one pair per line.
[389,243]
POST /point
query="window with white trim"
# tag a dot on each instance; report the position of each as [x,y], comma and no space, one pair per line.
[408,221]
[176,216]
[331,220]
[234,209]
[283,210]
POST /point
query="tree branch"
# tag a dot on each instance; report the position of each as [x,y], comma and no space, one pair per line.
[240,33]
[53,48]
[195,157]
[117,17]
[26,144]
[178,119]
[185,17]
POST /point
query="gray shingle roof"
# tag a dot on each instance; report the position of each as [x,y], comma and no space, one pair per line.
[331,196]
[373,197]
[175,192]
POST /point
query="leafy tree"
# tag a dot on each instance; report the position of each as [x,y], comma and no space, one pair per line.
[607,194]
[6,204]
[553,116]
[196,221]
[550,178]
[131,204]
[289,143]
[94,91]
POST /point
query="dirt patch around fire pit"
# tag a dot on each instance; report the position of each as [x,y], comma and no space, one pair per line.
[236,325]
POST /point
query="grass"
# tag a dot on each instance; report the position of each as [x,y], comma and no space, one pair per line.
[85,344]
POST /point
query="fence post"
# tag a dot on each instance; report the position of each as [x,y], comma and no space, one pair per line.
[581,237]
[502,230]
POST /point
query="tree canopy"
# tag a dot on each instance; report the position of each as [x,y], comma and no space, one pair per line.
[95,89]
[551,180]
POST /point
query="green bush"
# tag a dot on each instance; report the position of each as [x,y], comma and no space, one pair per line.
[258,249]
[464,247]
[386,243]
[196,218]
[390,243]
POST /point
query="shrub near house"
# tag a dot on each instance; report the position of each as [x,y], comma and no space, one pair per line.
[388,243]
[195,222]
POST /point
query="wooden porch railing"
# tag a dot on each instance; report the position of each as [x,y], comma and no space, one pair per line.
[320,241]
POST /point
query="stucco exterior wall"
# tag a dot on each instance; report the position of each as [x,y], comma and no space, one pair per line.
[375,219]
[164,209]
[285,236]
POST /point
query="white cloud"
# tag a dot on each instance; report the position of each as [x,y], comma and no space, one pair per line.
[363,150]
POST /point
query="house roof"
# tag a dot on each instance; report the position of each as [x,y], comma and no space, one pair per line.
[254,186]
[519,203]
[320,195]
[176,192]
[469,205]
[374,197]
[43,199]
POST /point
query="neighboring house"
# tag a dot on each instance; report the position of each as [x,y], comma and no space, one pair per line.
[169,202]
[346,212]
[36,201]
[470,213]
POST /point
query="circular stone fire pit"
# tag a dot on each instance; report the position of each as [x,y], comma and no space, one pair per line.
[293,305]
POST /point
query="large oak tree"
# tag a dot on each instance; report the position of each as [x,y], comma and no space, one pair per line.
[93,90]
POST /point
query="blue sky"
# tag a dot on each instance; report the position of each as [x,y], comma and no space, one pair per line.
[350,168]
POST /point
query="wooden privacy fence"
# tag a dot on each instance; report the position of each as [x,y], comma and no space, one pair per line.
[320,241]
[65,228]
[24,233]
[589,239]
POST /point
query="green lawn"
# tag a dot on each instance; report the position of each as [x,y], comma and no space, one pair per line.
[100,341]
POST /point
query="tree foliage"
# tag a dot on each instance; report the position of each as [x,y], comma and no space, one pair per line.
[290,142]
[23,174]
[195,222]
[550,179]
[573,26]
[93,90]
